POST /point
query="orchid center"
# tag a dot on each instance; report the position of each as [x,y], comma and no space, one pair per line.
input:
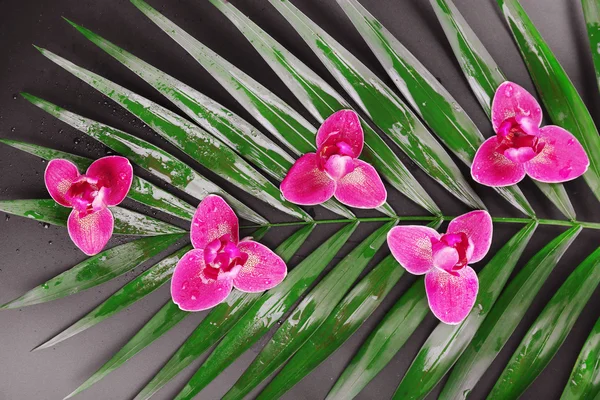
[452,251]
[87,194]
[223,258]
[519,141]
[336,158]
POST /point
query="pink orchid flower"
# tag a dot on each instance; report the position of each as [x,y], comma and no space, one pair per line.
[450,283]
[549,154]
[205,276]
[105,184]
[335,170]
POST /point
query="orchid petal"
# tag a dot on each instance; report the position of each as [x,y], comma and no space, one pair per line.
[305,184]
[212,220]
[58,178]
[411,247]
[562,158]
[338,166]
[114,173]
[513,101]
[90,231]
[345,125]
[478,227]
[191,290]
[491,168]
[451,296]
[262,271]
[362,188]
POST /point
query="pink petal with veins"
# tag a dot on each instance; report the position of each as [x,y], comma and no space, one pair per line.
[58,178]
[362,188]
[212,220]
[451,296]
[411,247]
[561,159]
[262,270]
[513,101]
[191,290]
[305,184]
[345,125]
[492,168]
[115,174]
[90,231]
[478,227]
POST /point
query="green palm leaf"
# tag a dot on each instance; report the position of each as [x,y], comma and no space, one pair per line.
[343,321]
[335,308]
[383,343]
[591,13]
[484,76]
[584,382]
[191,139]
[505,316]
[310,314]
[266,312]
[144,284]
[141,190]
[382,105]
[319,98]
[549,331]
[426,95]
[216,324]
[563,103]
[127,222]
[148,156]
[216,119]
[96,270]
[447,342]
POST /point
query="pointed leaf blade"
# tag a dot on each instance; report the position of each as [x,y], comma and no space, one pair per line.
[383,343]
[210,331]
[96,270]
[584,382]
[446,343]
[344,320]
[266,312]
[148,156]
[504,317]
[135,290]
[549,330]
[310,314]
[191,139]
[426,95]
[591,13]
[560,98]
[219,320]
[382,105]
[319,98]
[484,76]
[222,123]
[127,222]
[141,190]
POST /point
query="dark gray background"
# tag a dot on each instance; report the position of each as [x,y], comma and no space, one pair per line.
[30,253]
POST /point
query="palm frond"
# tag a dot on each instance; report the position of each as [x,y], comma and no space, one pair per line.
[148,156]
[561,99]
[484,76]
[318,311]
[216,324]
[96,270]
[142,191]
[499,324]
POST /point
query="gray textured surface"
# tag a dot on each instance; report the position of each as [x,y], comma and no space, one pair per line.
[31,254]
